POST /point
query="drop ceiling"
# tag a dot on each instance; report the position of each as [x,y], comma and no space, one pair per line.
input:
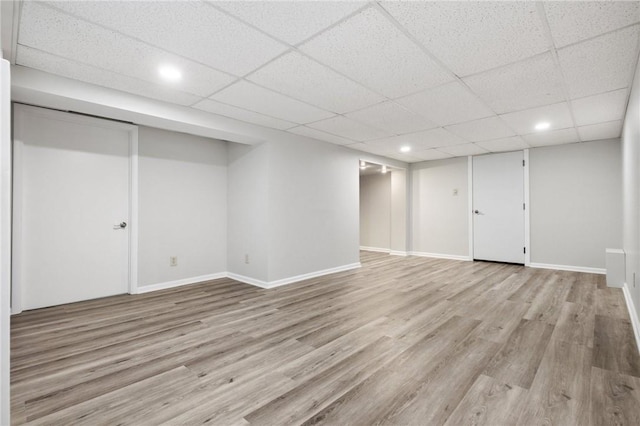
[445,78]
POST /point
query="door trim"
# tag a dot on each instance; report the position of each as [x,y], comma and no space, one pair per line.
[470,202]
[527,211]
[16,279]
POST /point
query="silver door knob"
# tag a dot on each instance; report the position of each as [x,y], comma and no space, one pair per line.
[121,225]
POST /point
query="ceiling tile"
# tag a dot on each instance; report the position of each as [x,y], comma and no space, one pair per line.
[447,104]
[523,122]
[65,36]
[349,129]
[393,144]
[255,98]
[482,130]
[431,154]
[392,117]
[403,157]
[609,130]
[463,150]
[600,108]
[553,137]
[602,64]
[371,50]
[433,138]
[319,134]
[576,21]
[303,78]
[242,114]
[470,37]
[56,65]
[514,143]
[526,84]
[371,149]
[381,151]
[290,21]
[208,36]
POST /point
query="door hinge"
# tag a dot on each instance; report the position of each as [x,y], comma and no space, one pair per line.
[523,206]
[522,163]
[524,250]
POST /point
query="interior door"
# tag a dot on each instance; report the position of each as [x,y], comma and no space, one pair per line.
[71,207]
[498,207]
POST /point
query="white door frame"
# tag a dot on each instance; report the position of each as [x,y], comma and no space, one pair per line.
[527,210]
[470,203]
[5,238]
[16,279]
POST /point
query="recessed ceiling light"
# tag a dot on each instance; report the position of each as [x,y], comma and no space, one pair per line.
[405,148]
[363,165]
[543,125]
[170,73]
[384,169]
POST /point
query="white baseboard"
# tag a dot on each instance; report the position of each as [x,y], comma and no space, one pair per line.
[315,274]
[291,280]
[440,256]
[384,250]
[181,282]
[245,279]
[635,321]
[376,249]
[571,268]
[248,280]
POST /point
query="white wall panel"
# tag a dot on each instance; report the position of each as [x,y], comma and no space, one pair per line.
[375,211]
[183,206]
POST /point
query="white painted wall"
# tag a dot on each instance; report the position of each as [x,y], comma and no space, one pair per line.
[5,238]
[182,206]
[258,181]
[313,207]
[292,208]
[248,213]
[439,218]
[375,211]
[575,203]
[399,191]
[631,194]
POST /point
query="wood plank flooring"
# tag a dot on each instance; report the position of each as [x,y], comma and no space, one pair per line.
[411,341]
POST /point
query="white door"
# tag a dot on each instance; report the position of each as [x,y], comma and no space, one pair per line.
[498,207]
[71,195]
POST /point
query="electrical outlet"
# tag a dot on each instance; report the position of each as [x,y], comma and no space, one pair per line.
[246,259]
[173,261]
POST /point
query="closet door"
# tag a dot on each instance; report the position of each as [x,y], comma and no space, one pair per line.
[71,207]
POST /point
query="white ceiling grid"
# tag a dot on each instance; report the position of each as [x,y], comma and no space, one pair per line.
[446,78]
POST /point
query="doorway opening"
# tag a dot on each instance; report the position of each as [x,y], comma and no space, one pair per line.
[383,208]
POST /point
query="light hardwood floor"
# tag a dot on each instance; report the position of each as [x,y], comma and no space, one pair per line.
[411,341]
